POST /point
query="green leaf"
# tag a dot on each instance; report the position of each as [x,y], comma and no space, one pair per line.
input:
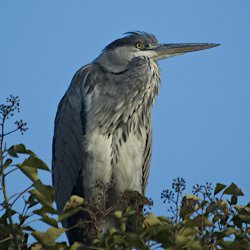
[12,152]
[218,188]
[72,206]
[3,219]
[202,220]
[69,212]
[180,241]
[48,237]
[244,218]
[36,163]
[151,220]
[46,209]
[77,246]
[217,217]
[73,201]
[192,197]
[19,149]
[30,172]
[31,201]
[43,193]
[29,167]
[48,220]
[118,214]
[135,240]
[112,230]
[45,218]
[234,200]
[164,219]
[233,190]
[7,163]
[229,231]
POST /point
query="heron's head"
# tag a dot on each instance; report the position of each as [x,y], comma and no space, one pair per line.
[117,55]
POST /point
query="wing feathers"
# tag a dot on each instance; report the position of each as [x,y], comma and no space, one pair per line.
[68,156]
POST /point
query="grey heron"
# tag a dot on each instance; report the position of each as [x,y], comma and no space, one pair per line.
[103,128]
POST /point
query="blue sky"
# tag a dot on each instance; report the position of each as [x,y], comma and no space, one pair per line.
[201,120]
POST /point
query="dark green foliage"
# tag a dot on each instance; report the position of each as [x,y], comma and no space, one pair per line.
[204,219]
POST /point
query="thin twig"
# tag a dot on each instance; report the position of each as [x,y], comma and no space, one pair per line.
[11,171]
[20,194]
[3,185]
[6,239]
[10,132]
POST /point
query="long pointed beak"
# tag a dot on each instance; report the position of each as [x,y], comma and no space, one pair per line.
[169,50]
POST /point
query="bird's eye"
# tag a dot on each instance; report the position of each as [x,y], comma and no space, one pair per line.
[139,45]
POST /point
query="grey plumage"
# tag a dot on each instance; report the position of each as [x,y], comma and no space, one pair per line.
[103,124]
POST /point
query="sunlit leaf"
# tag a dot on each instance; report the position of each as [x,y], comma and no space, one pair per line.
[69,212]
[30,172]
[49,236]
[192,197]
[150,220]
[118,214]
[77,246]
[163,219]
[46,209]
[229,231]
[45,218]
[36,247]
[43,193]
[74,201]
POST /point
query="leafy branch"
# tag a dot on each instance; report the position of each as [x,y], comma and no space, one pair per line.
[206,218]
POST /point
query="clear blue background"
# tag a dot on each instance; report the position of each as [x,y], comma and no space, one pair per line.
[201,120]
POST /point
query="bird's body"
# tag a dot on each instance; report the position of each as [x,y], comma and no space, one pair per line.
[103,125]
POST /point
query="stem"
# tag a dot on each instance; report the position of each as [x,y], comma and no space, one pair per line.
[11,132]
[177,212]
[20,194]
[3,185]
[1,142]
[6,239]
[177,209]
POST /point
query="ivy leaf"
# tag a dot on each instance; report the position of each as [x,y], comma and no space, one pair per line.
[66,214]
[151,220]
[43,193]
[233,190]
[77,246]
[36,163]
[48,238]
[19,149]
[7,163]
[218,188]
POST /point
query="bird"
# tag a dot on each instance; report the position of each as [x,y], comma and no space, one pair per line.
[103,125]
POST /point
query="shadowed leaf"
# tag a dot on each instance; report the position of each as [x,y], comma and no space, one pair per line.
[233,190]
[35,162]
[218,188]
[19,149]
